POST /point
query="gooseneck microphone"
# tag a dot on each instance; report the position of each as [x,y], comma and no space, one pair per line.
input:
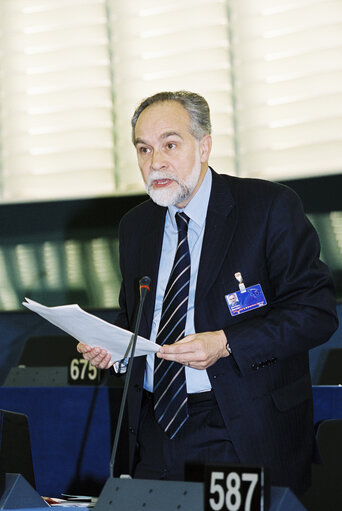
[131,494]
[144,288]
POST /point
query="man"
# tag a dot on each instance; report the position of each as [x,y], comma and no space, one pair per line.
[248,394]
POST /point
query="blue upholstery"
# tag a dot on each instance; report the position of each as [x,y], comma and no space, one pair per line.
[72,430]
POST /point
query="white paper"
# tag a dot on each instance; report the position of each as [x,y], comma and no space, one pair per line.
[92,330]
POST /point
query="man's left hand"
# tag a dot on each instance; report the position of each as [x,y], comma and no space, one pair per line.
[197,350]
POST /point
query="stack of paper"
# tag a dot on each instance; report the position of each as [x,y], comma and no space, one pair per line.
[91,330]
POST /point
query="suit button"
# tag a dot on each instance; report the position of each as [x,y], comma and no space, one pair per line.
[137,387]
[132,430]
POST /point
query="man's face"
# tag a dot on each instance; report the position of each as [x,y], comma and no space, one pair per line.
[172,161]
[232,299]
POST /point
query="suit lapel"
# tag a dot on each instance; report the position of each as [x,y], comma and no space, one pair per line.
[220,226]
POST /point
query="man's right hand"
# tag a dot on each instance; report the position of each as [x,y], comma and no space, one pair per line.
[98,357]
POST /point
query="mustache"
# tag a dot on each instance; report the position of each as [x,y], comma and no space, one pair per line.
[156,174]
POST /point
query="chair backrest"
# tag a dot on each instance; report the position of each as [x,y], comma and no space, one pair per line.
[326,491]
[15,445]
[331,373]
[48,351]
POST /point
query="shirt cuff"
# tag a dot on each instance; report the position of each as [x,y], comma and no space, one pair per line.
[120,367]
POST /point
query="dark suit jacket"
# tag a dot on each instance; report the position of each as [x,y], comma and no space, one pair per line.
[264,389]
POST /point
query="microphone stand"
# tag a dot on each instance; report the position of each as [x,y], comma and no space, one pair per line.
[144,288]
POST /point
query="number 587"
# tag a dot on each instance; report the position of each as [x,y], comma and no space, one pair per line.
[228,494]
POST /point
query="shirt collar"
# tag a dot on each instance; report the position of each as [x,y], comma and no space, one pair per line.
[196,209]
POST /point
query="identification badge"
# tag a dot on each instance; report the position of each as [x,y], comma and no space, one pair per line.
[243,301]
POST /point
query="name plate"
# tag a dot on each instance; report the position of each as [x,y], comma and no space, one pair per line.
[236,488]
[82,372]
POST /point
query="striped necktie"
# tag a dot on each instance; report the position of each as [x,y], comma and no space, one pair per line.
[170,397]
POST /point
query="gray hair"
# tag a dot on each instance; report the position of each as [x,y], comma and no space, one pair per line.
[196,106]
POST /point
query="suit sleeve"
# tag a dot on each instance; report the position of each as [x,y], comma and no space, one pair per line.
[302,313]
[122,318]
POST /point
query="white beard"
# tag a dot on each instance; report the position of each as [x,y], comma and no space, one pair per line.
[172,195]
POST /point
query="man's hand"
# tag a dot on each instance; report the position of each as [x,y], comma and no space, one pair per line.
[98,357]
[197,350]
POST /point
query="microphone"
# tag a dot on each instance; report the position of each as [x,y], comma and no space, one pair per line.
[144,288]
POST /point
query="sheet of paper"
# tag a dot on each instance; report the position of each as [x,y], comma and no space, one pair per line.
[92,330]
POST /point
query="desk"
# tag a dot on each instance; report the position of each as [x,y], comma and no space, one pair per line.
[277,497]
[72,430]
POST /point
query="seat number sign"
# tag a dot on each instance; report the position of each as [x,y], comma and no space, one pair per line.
[82,372]
[235,488]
